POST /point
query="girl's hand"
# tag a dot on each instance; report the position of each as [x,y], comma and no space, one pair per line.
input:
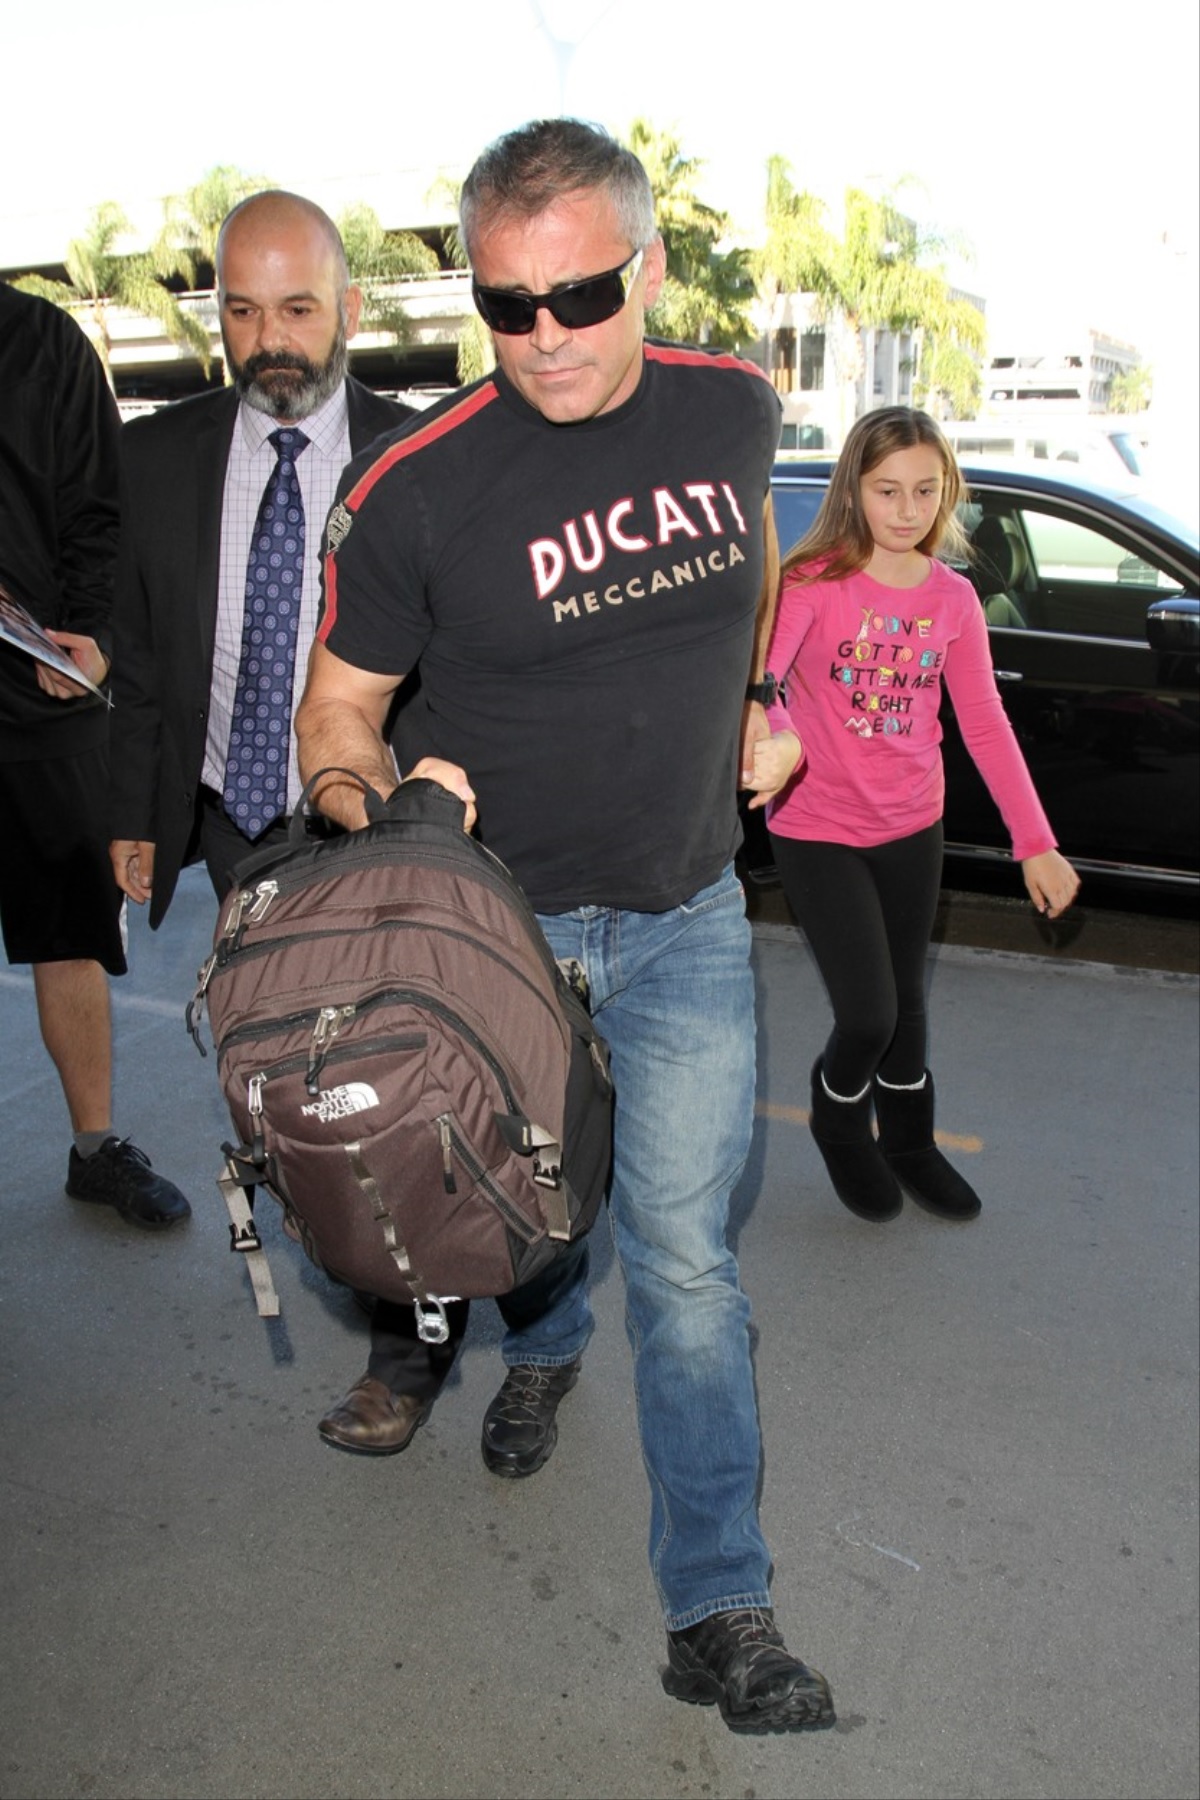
[776,759]
[1051,881]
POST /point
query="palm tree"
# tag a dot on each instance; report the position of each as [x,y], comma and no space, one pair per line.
[799,254]
[98,275]
[192,220]
[708,291]
[475,354]
[378,260]
[882,274]
[886,283]
[1131,390]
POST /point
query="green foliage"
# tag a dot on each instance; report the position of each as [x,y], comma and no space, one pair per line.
[444,193]
[97,273]
[476,352]
[377,260]
[57,292]
[799,254]
[476,355]
[1131,390]
[882,274]
[192,220]
[708,291]
[946,379]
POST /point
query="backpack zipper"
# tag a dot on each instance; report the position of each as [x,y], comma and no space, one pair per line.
[454,1144]
[327,1022]
[227,947]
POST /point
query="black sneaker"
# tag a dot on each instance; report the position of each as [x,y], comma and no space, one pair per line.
[518,1427]
[119,1175]
[737,1661]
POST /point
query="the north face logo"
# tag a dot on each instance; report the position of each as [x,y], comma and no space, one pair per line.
[340,1102]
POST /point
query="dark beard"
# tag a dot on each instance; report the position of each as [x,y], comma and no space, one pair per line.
[288,386]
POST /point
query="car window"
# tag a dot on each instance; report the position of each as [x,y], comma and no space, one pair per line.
[795,510]
[1085,581]
[1129,450]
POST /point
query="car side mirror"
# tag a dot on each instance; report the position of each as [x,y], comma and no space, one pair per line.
[1174,625]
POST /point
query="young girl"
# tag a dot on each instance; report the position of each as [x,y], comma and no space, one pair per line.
[868,627]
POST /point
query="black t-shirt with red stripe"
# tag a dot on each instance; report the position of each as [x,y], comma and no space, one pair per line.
[580,600]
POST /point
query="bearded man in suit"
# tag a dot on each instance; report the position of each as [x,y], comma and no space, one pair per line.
[199,501]
[195,481]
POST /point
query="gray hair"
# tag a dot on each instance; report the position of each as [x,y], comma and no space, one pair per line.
[522,174]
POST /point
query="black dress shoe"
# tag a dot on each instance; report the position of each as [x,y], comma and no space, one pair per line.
[737,1661]
[372,1421]
[119,1175]
[519,1431]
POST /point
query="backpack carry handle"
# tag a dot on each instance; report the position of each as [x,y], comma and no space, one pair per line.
[422,801]
[372,799]
[411,802]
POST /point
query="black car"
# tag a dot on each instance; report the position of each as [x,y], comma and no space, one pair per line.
[1093,605]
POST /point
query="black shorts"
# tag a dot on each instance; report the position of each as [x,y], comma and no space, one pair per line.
[59,900]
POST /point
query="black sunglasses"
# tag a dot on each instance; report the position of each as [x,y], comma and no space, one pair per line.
[575,306]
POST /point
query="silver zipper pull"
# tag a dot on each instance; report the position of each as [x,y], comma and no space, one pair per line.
[330,1020]
[194,1013]
[448,1181]
[264,893]
[258,1144]
[234,921]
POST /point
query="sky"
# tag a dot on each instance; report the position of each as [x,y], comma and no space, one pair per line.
[1059,139]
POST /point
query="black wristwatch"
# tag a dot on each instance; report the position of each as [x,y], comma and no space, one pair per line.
[766,691]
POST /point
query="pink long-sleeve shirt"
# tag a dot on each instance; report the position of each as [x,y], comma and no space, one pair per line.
[864,666]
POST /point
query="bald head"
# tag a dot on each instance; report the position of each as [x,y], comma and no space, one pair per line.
[275,214]
[287,309]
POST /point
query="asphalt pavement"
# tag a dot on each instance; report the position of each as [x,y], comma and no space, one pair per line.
[979,1479]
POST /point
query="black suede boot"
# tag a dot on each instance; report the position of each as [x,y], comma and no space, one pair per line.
[861,1177]
[905,1118]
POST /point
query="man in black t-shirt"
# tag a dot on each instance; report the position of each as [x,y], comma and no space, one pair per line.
[577,554]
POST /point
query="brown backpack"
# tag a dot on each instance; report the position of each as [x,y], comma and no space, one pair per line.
[410,1073]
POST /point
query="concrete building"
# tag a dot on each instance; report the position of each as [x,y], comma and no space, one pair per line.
[1039,372]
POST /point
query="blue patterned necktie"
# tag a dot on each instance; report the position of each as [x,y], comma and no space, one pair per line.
[256,768]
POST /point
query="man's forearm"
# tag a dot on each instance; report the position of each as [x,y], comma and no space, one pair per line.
[334,734]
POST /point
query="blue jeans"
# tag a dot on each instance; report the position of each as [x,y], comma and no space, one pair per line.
[673,995]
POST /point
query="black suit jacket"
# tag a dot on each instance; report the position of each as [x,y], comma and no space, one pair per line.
[164,619]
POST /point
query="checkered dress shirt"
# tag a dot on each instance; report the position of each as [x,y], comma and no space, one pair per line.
[251,462]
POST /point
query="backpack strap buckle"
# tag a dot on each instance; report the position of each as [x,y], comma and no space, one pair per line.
[433,1327]
[243,1235]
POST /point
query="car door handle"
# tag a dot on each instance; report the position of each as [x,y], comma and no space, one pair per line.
[1008,674]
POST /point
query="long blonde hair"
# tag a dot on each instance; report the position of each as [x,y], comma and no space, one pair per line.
[839,539]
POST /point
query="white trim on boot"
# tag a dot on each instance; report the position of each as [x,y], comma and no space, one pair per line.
[844,1099]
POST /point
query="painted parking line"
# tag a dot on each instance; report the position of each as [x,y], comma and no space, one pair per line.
[798,1115]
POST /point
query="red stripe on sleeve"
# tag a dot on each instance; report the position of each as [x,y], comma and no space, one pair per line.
[424,435]
[329,615]
[703,359]
[417,440]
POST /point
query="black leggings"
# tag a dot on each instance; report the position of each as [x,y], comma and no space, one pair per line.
[868,917]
